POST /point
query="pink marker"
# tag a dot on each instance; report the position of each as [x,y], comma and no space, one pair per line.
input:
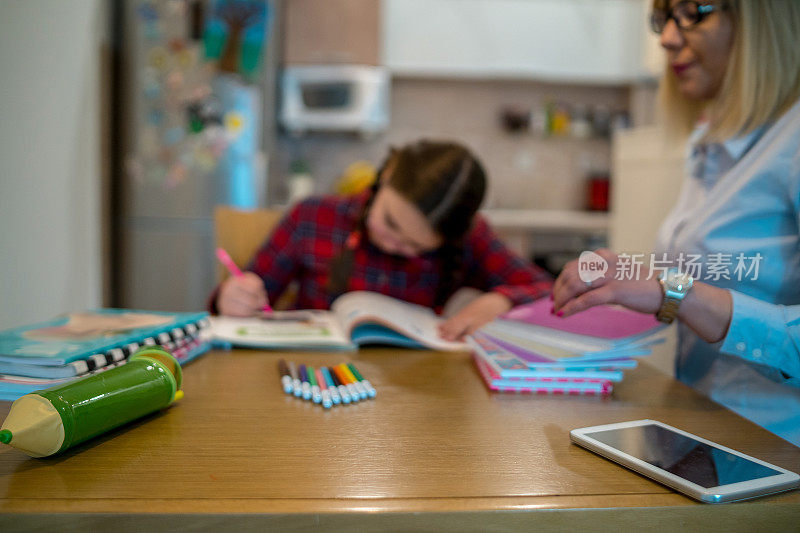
[226,260]
[326,394]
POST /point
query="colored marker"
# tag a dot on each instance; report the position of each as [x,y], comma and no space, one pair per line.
[342,375]
[352,383]
[349,383]
[335,398]
[339,385]
[226,260]
[351,390]
[326,394]
[286,376]
[364,382]
[297,388]
[312,378]
[362,391]
[306,385]
[359,383]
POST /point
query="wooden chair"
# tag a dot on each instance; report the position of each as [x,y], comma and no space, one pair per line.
[241,233]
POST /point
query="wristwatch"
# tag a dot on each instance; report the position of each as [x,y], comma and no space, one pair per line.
[675,285]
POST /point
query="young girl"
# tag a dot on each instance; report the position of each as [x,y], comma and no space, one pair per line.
[414,236]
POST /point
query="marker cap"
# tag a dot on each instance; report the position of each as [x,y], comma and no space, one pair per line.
[34,426]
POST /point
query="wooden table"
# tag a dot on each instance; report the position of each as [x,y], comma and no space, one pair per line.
[434,450]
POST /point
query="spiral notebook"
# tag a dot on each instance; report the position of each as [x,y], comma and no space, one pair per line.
[184,350]
[81,342]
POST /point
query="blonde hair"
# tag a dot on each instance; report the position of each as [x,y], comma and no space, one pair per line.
[762,80]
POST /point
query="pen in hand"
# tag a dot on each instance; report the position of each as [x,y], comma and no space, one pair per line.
[226,260]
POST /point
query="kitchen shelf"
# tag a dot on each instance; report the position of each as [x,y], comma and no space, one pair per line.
[549,220]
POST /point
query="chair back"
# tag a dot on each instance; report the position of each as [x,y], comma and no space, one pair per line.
[241,233]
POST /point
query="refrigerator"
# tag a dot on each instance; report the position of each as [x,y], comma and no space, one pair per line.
[194,115]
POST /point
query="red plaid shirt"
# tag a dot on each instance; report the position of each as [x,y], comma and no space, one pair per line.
[315,231]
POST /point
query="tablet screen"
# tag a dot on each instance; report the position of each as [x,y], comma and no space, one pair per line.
[695,461]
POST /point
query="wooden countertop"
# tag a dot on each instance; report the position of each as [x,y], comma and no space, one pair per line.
[433,443]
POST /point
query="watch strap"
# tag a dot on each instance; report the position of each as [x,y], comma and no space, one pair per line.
[669,308]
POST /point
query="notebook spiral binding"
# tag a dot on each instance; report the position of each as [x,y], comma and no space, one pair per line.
[173,340]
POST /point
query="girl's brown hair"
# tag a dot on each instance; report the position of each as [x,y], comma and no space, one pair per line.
[447,184]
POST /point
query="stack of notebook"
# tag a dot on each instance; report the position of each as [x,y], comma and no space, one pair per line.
[531,350]
[76,345]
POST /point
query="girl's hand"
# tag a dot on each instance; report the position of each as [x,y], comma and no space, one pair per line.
[572,295]
[480,311]
[243,295]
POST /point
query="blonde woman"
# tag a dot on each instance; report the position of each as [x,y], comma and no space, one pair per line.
[733,73]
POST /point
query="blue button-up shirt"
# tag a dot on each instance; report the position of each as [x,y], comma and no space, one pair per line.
[741,198]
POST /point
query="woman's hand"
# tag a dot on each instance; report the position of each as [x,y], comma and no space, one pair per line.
[480,311]
[243,295]
[572,295]
[706,309]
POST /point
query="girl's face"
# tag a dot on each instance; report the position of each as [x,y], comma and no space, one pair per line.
[699,55]
[397,227]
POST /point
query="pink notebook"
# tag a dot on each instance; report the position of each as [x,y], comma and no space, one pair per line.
[603,321]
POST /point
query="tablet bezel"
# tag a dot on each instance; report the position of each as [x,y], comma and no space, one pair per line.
[785,480]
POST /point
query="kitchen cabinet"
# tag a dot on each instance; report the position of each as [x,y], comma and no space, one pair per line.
[553,40]
[332,32]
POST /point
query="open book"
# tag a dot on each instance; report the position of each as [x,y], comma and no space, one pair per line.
[355,318]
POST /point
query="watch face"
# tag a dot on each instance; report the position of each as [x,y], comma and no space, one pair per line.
[679,281]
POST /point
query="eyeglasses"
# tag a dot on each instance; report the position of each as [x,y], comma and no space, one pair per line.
[685,14]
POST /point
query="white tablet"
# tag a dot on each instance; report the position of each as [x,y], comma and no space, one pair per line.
[687,463]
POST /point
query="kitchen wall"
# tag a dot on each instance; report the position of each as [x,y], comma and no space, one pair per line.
[525,169]
[50,189]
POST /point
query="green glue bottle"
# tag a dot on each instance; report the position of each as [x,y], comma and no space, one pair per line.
[50,421]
